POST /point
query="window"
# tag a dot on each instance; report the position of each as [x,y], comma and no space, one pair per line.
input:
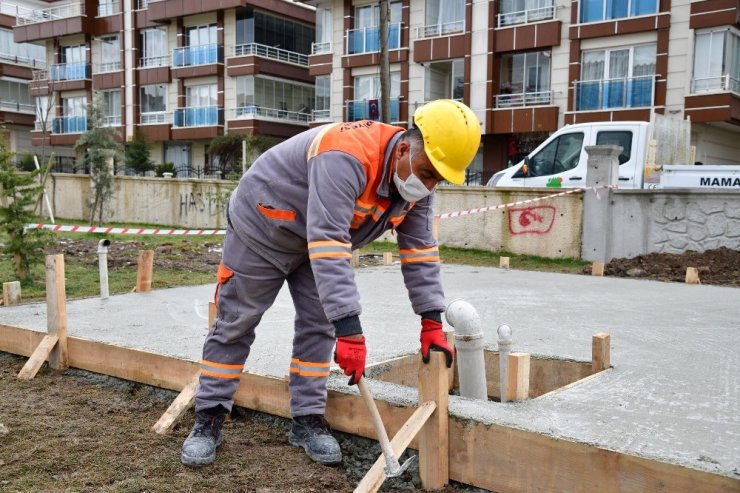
[43,118]
[111,106]
[366,105]
[73,54]
[274,98]
[603,10]
[73,65]
[15,96]
[324,28]
[75,116]
[107,7]
[525,79]
[616,78]
[717,61]
[25,53]
[153,48]
[521,11]
[201,47]
[560,155]
[110,54]
[365,38]
[201,35]
[619,138]
[203,95]
[444,80]
[323,97]
[153,103]
[444,17]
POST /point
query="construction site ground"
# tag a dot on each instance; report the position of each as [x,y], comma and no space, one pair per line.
[672,395]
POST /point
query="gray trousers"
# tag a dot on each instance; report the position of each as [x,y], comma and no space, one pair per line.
[241,301]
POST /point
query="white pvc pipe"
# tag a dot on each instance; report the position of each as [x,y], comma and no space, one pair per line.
[103,267]
[471,366]
[504,348]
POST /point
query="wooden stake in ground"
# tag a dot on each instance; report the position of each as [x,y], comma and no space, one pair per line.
[11,293]
[53,345]
[692,275]
[144,271]
[387,258]
[517,375]
[600,352]
[597,269]
[434,456]
[503,262]
[355,258]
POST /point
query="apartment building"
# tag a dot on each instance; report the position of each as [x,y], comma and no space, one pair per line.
[17,107]
[177,72]
[528,67]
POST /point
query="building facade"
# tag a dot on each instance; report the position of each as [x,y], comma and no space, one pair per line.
[528,67]
[178,73]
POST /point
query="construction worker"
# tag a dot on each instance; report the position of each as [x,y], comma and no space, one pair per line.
[296,216]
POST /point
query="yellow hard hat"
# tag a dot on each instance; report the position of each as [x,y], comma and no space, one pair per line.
[451,135]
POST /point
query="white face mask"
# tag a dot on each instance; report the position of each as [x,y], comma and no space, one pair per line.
[412,189]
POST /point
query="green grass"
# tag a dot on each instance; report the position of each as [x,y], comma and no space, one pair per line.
[83,280]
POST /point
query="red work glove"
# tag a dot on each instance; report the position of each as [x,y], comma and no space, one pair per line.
[350,354]
[432,337]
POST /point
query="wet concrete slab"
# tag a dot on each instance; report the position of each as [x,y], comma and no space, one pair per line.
[673,394]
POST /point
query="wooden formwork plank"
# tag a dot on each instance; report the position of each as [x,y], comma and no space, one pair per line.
[56,311]
[376,475]
[434,457]
[182,403]
[481,454]
[37,359]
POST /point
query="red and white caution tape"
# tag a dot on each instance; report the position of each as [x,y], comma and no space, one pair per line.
[127,231]
[479,210]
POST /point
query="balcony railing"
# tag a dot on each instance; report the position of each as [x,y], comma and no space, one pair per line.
[70,71]
[155,61]
[16,107]
[155,117]
[443,29]
[273,53]
[107,67]
[254,111]
[191,56]
[320,115]
[33,16]
[722,83]
[627,92]
[369,109]
[69,125]
[111,121]
[526,16]
[321,48]
[39,75]
[106,9]
[523,99]
[22,60]
[367,39]
[203,116]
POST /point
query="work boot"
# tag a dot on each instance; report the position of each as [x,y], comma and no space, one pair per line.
[312,432]
[200,446]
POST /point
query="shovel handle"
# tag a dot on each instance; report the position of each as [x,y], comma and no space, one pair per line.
[385,444]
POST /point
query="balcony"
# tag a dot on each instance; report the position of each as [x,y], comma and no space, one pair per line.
[257,49]
[321,115]
[262,112]
[524,112]
[367,39]
[70,71]
[369,109]
[69,125]
[27,16]
[205,116]
[627,92]
[722,83]
[51,23]
[16,107]
[523,99]
[155,118]
[192,56]
[111,121]
[321,48]
[154,61]
[444,29]
[526,16]
[102,68]
[106,9]
[22,60]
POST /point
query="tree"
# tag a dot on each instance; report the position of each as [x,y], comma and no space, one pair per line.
[137,154]
[18,194]
[100,148]
[226,150]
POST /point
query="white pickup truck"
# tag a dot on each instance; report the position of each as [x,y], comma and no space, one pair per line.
[560,161]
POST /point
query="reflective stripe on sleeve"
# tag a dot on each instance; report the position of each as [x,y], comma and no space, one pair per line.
[412,255]
[220,370]
[309,369]
[329,249]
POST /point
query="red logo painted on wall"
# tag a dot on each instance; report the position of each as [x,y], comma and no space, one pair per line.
[531,220]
